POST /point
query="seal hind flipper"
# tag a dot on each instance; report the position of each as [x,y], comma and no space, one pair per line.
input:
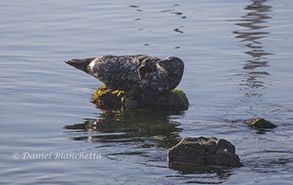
[81,64]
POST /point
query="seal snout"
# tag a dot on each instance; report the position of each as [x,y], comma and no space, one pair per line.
[80,63]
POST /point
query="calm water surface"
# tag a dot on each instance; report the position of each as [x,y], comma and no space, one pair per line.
[238,58]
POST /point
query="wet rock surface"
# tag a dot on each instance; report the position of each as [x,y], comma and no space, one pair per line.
[260,123]
[204,151]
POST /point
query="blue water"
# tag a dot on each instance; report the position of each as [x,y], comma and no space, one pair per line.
[238,65]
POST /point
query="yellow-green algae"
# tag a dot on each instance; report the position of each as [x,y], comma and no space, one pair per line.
[108,97]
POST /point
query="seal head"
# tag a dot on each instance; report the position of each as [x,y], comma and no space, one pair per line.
[160,76]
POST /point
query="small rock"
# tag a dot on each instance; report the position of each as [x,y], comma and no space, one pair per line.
[260,123]
[204,151]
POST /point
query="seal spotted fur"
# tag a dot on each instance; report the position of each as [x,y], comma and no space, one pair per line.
[150,74]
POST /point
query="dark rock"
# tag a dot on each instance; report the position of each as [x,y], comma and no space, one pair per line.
[204,151]
[105,97]
[260,123]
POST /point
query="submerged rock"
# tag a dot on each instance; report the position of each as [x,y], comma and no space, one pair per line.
[203,151]
[105,97]
[134,72]
[260,123]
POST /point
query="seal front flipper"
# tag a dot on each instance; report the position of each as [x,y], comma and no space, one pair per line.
[147,66]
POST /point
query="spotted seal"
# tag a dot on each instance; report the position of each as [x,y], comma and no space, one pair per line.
[150,74]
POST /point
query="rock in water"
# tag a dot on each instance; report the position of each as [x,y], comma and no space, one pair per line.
[260,123]
[149,74]
[106,98]
[204,151]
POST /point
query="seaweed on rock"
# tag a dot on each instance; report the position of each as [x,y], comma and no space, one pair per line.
[105,97]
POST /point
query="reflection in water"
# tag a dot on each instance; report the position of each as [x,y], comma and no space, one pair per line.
[253,22]
[221,172]
[133,133]
[173,11]
[141,127]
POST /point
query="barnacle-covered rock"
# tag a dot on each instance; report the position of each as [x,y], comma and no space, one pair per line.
[202,151]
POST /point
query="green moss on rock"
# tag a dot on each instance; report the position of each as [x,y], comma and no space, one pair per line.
[108,97]
[105,97]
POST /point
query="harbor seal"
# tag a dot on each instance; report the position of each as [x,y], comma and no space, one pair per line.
[150,74]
